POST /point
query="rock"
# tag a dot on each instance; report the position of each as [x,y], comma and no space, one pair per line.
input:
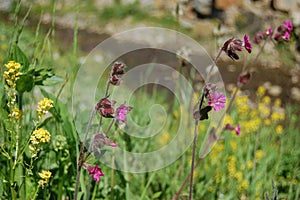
[296,17]
[286,5]
[295,92]
[203,6]
[203,28]
[224,4]
[5,5]
[275,90]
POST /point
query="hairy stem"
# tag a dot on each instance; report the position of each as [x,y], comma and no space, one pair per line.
[81,154]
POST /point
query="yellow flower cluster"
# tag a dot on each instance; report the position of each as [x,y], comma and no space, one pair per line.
[279,129]
[12,73]
[44,106]
[45,176]
[242,103]
[15,115]
[231,165]
[261,91]
[252,116]
[259,154]
[38,136]
[242,183]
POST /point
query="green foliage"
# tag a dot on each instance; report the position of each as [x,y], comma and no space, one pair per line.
[121,11]
[237,167]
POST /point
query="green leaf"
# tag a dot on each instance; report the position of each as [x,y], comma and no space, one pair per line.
[156,195]
[19,56]
[45,122]
[25,83]
[2,96]
[53,80]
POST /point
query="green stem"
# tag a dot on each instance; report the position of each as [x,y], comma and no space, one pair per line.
[112,183]
[81,154]
[193,159]
[53,29]
[36,193]
[147,185]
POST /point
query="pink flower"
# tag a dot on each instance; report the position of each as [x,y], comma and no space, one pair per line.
[244,78]
[122,111]
[237,129]
[284,31]
[116,72]
[288,24]
[95,171]
[262,35]
[247,44]
[99,140]
[286,36]
[217,101]
[269,32]
[118,68]
[115,80]
[105,107]
[231,46]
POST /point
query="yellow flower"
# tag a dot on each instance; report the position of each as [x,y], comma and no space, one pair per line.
[254,113]
[218,177]
[232,166]
[244,185]
[261,91]
[266,100]
[40,136]
[264,110]
[279,129]
[233,146]
[45,176]
[259,154]
[277,102]
[219,147]
[277,116]
[12,73]
[239,176]
[44,106]
[165,138]
[295,181]
[250,164]
[252,125]
[267,122]
[228,119]
[16,114]
[4,47]
[210,189]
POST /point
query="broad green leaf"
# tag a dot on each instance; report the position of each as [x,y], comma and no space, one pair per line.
[25,83]
[53,80]
[19,56]
[156,195]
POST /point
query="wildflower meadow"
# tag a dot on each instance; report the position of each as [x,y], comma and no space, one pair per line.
[145,113]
